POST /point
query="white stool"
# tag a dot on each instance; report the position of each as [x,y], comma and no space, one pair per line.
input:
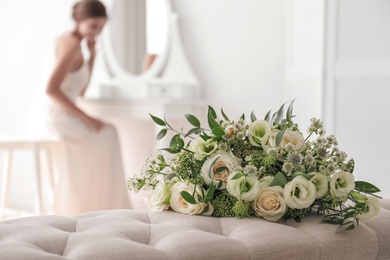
[35,145]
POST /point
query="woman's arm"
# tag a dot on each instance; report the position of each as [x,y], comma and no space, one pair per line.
[68,49]
[91,62]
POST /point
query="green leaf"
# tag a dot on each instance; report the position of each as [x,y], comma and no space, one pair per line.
[170,150]
[219,184]
[166,122]
[366,187]
[205,137]
[279,137]
[273,118]
[157,120]
[289,111]
[211,118]
[268,117]
[237,176]
[179,142]
[220,169]
[188,197]
[210,193]
[279,116]
[218,131]
[211,112]
[173,142]
[224,115]
[243,116]
[279,180]
[253,117]
[194,130]
[193,120]
[161,134]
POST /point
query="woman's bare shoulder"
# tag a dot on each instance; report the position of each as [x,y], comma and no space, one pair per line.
[68,43]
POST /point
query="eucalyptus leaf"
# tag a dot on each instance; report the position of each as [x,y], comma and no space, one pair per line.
[157,120]
[188,197]
[273,118]
[268,117]
[279,116]
[193,120]
[179,142]
[253,117]
[212,122]
[243,116]
[224,115]
[279,137]
[289,111]
[161,134]
[279,180]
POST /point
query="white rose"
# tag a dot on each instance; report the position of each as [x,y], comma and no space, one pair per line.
[243,188]
[158,199]
[321,183]
[216,161]
[295,138]
[257,130]
[202,148]
[299,193]
[373,208]
[269,204]
[341,184]
[179,204]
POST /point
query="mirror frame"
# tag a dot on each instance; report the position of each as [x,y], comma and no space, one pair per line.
[117,70]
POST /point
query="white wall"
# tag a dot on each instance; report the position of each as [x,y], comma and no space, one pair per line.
[236,49]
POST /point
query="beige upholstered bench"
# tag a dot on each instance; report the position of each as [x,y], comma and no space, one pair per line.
[129,234]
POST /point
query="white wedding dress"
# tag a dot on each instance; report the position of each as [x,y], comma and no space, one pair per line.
[90,175]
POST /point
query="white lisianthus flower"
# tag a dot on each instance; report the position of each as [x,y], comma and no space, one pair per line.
[202,148]
[257,130]
[373,208]
[269,204]
[341,184]
[294,139]
[243,188]
[265,182]
[179,204]
[320,181]
[219,160]
[299,193]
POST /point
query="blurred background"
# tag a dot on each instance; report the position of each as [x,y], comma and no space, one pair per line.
[175,57]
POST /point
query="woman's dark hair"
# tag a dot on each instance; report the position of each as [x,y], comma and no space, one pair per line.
[83,9]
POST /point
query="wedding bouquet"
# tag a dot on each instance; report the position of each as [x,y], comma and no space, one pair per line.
[261,168]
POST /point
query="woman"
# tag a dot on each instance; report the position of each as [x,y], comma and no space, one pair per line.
[91,175]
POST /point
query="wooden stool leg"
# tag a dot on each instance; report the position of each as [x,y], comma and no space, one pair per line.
[48,149]
[38,185]
[6,181]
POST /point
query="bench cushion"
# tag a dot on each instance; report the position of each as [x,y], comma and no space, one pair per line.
[130,234]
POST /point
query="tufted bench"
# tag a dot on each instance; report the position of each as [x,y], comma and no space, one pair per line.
[130,234]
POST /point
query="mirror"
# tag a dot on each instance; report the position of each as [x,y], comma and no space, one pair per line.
[135,38]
